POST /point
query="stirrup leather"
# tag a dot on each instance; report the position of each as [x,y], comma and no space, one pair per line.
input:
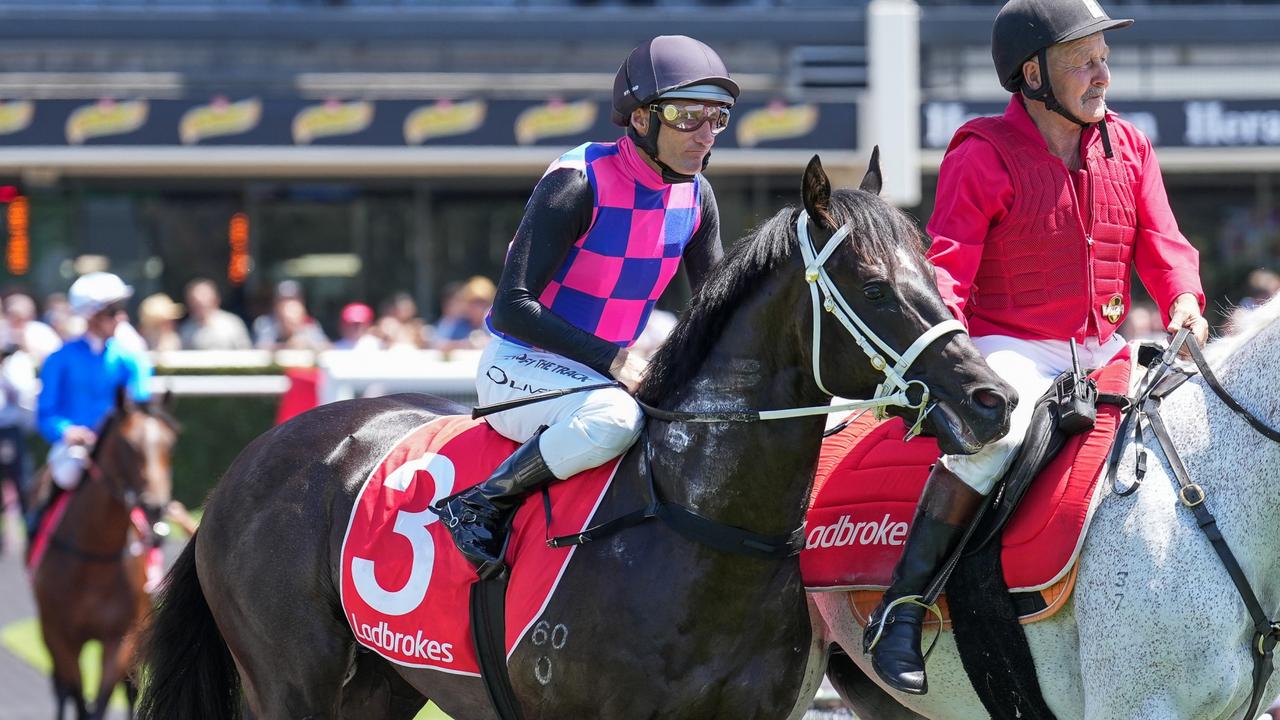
[886,618]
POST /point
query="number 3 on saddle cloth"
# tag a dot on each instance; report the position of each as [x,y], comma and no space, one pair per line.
[405,586]
[868,482]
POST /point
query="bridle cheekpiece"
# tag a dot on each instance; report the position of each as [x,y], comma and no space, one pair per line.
[826,296]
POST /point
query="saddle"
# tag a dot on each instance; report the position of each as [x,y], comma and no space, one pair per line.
[868,481]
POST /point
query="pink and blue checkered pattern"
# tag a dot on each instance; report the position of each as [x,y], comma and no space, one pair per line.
[640,225]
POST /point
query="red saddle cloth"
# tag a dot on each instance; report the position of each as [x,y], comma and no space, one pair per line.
[868,482]
[405,585]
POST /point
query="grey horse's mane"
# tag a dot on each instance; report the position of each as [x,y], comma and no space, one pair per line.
[1245,324]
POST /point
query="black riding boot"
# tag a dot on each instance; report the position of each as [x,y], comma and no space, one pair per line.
[946,508]
[478,517]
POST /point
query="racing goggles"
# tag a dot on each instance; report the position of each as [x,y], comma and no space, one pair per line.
[687,117]
[111,309]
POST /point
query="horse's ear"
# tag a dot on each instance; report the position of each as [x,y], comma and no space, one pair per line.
[873,180]
[817,193]
[124,403]
[166,400]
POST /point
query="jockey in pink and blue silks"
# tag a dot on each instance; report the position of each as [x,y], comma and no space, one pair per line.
[605,230]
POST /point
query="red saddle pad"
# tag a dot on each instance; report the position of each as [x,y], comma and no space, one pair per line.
[405,585]
[869,480]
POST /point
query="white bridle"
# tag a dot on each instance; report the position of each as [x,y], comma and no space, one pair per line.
[826,296]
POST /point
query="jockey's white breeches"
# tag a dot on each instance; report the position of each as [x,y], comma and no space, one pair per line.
[67,464]
[1030,366]
[584,429]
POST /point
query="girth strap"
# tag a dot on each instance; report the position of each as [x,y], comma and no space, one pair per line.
[488,632]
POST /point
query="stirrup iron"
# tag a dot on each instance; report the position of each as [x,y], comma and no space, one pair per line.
[886,618]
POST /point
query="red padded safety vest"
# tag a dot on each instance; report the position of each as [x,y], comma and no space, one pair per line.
[1043,273]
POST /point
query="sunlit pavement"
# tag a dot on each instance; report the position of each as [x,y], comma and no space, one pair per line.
[25,693]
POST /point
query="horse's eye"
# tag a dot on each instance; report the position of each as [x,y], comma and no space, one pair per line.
[875,292]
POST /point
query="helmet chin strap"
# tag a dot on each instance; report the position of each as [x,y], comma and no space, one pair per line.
[1044,94]
[649,144]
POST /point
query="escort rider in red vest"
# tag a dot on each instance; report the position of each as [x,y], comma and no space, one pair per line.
[1040,216]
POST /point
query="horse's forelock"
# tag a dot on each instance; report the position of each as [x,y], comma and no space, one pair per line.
[878,228]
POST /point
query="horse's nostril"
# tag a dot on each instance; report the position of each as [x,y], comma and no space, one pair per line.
[988,398]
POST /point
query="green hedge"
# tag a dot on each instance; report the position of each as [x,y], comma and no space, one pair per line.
[214,431]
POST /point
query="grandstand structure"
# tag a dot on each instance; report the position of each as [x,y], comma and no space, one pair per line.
[369,146]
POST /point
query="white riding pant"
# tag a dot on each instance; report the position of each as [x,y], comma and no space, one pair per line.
[1030,366]
[584,429]
[67,464]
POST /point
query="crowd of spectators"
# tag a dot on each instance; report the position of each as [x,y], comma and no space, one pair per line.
[201,322]
[162,324]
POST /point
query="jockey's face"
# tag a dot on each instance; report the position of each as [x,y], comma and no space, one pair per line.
[103,323]
[682,151]
[1079,75]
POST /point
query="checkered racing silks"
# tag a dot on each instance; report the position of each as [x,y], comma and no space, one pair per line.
[615,273]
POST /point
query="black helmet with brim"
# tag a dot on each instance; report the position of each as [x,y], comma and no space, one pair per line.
[665,64]
[1025,27]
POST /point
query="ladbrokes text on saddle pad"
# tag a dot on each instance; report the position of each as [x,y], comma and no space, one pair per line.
[405,586]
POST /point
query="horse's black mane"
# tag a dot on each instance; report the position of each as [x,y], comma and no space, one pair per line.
[879,229]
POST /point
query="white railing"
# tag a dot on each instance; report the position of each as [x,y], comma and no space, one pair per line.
[343,374]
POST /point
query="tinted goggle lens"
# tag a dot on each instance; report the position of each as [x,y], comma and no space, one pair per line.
[687,118]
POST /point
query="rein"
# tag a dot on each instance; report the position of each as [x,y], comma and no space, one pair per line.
[486,596]
[1146,406]
[128,498]
[130,502]
[892,392]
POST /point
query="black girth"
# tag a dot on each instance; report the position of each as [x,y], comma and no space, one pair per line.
[488,595]
[1146,408]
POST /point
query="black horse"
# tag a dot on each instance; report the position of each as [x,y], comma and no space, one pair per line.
[651,625]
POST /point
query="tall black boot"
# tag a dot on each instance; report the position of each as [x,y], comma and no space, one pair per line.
[946,508]
[478,517]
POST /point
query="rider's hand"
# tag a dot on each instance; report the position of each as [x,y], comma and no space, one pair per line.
[79,435]
[1186,313]
[627,368]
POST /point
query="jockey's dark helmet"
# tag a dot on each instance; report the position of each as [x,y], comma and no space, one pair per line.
[1025,29]
[669,67]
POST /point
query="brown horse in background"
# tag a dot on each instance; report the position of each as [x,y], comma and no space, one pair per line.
[89,583]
